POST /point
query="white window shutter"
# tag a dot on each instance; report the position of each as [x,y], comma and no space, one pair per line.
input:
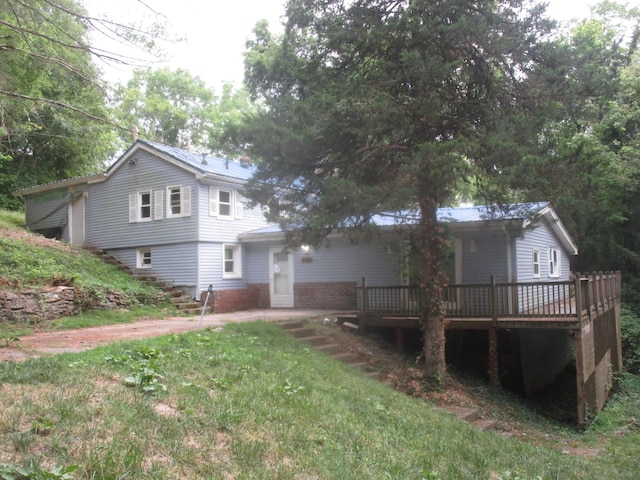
[133,207]
[238,204]
[158,203]
[185,201]
[213,201]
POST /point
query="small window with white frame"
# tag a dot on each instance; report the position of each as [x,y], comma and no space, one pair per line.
[536,264]
[231,261]
[554,262]
[144,257]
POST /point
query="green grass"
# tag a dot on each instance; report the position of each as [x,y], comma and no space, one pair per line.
[24,262]
[30,261]
[250,402]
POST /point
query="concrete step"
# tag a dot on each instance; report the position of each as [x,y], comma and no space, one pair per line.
[329,348]
[484,424]
[463,413]
[346,357]
[292,325]
[302,332]
[315,340]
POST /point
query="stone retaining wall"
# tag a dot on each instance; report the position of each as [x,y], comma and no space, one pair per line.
[35,306]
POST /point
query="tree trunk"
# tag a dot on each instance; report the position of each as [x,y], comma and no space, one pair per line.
[432,281]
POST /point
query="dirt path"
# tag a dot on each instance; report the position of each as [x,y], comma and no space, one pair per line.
[50,343]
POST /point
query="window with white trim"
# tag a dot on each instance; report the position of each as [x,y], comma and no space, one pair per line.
[231,261]
[144,257]
[225,203]
[536,263]
[178,201]
[140,207]
[554,262]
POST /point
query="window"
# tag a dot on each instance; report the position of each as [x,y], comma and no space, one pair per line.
[225,204]
[178,201]
[536,263]
[144,257]
[140,207]
[554,262]
[144,199]
[232,262]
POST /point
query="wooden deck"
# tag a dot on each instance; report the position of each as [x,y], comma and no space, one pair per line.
[563,305]
[588,305]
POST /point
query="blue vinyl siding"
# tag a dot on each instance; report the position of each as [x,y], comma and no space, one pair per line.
[337,261]
[210,257]
[540,237]
[225,230]
[107,207]
[489,257]
[175,264]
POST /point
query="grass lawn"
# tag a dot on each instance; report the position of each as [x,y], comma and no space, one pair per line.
[250,402]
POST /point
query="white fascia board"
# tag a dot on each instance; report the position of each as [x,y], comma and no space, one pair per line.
[70,182]
[557,226]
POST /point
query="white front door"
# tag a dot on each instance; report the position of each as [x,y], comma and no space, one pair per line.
[281,277]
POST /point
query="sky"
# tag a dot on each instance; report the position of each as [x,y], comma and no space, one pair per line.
[215,31]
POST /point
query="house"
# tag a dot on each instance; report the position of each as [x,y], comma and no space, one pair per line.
[527,244]
[181,217]
[162,211]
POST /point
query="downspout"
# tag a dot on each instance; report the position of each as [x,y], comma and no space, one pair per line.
[509,268]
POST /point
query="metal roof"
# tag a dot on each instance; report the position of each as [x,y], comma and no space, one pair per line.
[204,163]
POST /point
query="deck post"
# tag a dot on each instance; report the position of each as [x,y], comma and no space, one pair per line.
[494,377]
[365,306]
[578,293]
[494,301]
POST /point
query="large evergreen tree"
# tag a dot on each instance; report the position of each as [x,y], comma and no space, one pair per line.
[385,106]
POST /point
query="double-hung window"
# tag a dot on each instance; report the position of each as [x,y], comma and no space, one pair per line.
[536,264]
[225,203]
[140,207]
[178,201]
[231,261]
[554,262]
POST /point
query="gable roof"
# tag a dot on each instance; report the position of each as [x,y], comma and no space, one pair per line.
[201,165]
[524,215]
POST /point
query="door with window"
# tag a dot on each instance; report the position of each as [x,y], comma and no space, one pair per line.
[280,277]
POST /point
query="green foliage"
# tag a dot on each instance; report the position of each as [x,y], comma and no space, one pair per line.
[631,340]
[53,114]
[176,108]
[12,472]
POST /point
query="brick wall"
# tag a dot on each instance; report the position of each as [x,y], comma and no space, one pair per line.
[328,295]
[224,301]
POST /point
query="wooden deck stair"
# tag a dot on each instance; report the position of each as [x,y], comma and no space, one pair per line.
[183,302]
[303,332]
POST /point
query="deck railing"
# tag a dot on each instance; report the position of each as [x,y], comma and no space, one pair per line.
[584,294]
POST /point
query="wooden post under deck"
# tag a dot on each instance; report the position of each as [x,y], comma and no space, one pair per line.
[494,378]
